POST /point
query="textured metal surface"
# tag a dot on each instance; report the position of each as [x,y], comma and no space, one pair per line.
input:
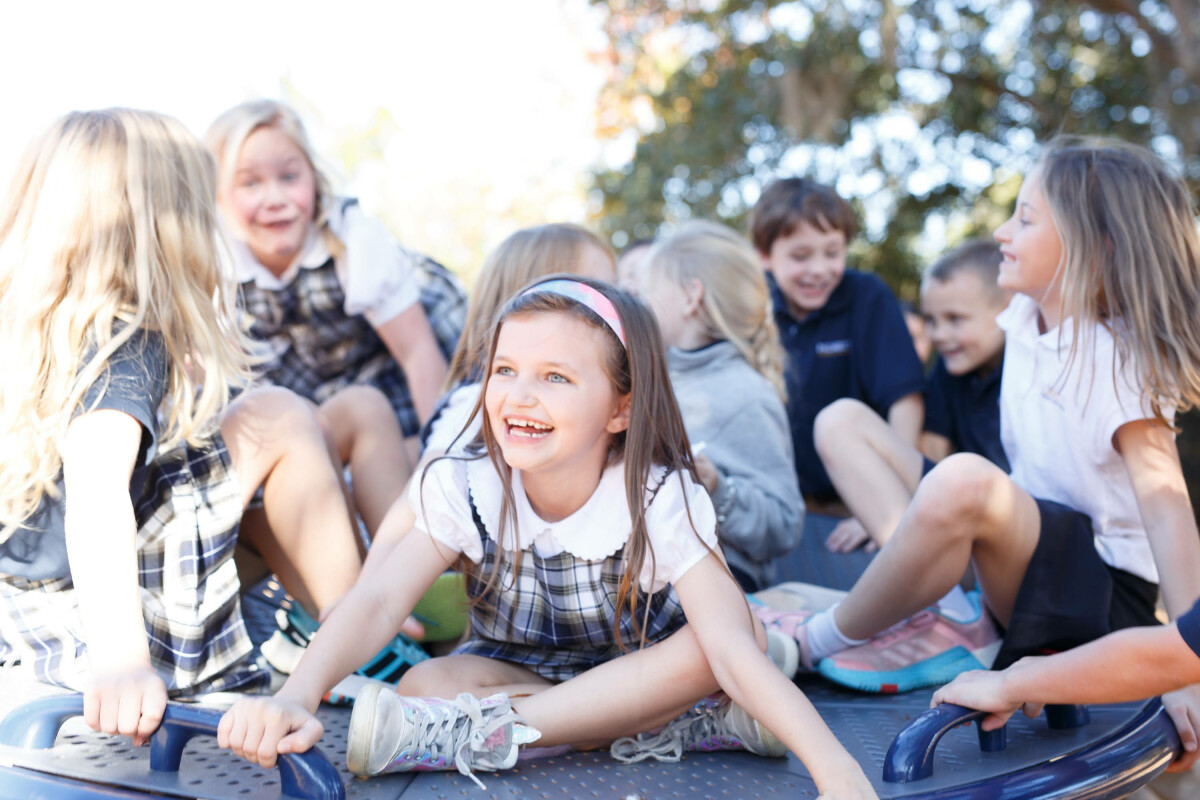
[810,562]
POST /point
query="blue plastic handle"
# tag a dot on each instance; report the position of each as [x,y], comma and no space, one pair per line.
[305,776]
[910,758]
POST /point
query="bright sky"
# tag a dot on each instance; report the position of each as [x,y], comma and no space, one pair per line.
[491,104]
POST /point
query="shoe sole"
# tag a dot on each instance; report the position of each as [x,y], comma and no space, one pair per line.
[935,671]
[361,732]
[783,652]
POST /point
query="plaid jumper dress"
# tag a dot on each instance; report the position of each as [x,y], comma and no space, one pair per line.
[553,614]
[316,349]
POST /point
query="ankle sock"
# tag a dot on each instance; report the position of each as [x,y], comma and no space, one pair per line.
[957,606]
[825,637]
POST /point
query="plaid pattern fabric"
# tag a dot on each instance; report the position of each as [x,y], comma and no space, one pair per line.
[316,349]
[554,615]
[187,519]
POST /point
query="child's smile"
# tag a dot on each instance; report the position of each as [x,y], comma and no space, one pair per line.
[550,403]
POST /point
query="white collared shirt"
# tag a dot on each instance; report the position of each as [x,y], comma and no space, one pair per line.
[600,528]
[379,277]
[1058,429]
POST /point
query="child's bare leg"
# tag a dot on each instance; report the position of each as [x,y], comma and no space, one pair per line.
[367,437]
[874,470]
[449,675]
[276,442]
[965,510]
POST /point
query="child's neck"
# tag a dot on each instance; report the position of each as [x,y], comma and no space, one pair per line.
[692,337]
[557,495]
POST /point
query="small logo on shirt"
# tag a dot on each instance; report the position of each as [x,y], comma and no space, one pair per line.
[838,347]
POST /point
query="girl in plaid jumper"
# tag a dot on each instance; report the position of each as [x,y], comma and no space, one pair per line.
[586,536]
[338,303]
[126,466]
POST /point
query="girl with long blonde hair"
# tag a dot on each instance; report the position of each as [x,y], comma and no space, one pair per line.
[706,286]
[126,466]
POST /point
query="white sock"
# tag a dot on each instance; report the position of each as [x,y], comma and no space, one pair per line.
[957,606]
[824,636]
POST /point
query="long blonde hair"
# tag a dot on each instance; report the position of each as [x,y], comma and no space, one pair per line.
[736,303]
[522,258]
[1131,261]
[229,132]
[108,227]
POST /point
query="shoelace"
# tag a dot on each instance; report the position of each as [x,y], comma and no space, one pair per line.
[706,720]
[463,734]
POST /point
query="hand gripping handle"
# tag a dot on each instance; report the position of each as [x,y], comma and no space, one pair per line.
[305,776]
[910,758]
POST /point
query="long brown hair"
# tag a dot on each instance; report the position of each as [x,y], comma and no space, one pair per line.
[655,436]
[1131,262]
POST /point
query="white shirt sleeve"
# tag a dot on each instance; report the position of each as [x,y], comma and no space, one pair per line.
[439,500]
[678,546]
[453,417]
[379,276]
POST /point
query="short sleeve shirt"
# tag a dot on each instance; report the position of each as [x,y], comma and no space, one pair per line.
[856,346]
[133,382]
[442,498]
[966,410]
[1189,627]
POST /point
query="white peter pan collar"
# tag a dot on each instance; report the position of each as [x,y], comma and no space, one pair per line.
[598,529]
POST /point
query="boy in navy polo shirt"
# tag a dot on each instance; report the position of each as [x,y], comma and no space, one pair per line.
[876,471]
[842,329]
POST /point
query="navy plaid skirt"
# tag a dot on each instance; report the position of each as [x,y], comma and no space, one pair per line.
[187,519]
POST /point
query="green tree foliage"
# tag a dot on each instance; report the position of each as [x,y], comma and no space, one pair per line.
[924,113]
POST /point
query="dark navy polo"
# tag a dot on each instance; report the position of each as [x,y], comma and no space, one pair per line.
[1189,628]
[966,410]
[857,346]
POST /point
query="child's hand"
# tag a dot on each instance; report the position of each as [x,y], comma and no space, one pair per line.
[984,690]
[1183,707]
[260,728]
[707,472]
[127,702]
[848,536]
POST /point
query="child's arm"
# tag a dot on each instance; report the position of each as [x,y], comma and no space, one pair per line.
[1131,664]
[1148,450]
[123,694]
[907,417]
[726,630]
[410,339]
[934,446]
[258,729]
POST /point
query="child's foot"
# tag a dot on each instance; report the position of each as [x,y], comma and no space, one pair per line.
[714,723]
[787,639]
[927,649]
[392,733]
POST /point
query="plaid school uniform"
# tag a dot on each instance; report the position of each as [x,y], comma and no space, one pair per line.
[317,349]
[554,614]
[187,521]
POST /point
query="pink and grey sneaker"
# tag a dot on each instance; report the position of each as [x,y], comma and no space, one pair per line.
[928,649]
[714,723]
[787,639]
[392,733]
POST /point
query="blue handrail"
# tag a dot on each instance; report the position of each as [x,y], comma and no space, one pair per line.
[305,776]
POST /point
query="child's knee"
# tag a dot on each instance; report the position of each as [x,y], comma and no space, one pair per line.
[360,404]
[425,679]
[837,422]
[955,496]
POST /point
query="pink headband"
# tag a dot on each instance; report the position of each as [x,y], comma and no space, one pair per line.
[584,295]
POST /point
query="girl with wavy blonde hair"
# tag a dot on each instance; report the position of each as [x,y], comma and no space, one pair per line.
[706,286]
[126,465]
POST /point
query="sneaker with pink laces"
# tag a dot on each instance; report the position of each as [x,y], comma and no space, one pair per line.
[927,649]
[787,640]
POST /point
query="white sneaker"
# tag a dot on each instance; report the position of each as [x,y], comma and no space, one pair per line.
[392,733]
[715,723]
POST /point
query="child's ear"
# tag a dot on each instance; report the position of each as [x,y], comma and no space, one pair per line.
[620,418]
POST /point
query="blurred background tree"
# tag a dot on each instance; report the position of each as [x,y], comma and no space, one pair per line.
[923,113]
